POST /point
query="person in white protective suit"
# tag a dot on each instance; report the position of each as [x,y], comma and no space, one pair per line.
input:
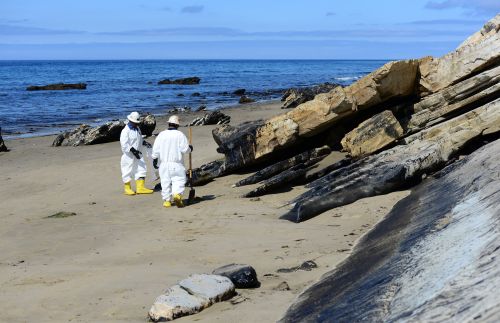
[168,150]
[132,161]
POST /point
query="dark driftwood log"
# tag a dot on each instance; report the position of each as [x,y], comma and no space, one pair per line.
[394,168]
[421,237]
[283,165]
[284,178]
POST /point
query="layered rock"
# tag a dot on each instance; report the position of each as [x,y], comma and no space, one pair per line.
[57,86]
[395,168]
[373,134]
[434,257]
[473,56]
[107,132]
[215,117]
[296,96]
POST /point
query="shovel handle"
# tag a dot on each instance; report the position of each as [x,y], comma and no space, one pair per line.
[190,131]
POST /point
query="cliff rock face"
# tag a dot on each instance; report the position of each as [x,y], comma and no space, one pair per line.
[434,258]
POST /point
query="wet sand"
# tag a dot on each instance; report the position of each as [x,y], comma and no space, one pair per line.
[111,260]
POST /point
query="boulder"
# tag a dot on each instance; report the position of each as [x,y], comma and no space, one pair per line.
[475,55]
[372,135]
[3,147]
[433,258]
[245,99]
[107,132]
[208,172]
[213,288]
[215,117]
[183,81]
[196,94]
[296,96]
[239,92]
[399,166]
[242,276]
[191,296]
[57,86]
[176,302]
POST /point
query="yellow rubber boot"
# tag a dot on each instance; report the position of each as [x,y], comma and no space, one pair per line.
[178,200]
[128,189]
[141,189]
[167,204]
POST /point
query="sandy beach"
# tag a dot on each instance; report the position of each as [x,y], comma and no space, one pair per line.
[111,260]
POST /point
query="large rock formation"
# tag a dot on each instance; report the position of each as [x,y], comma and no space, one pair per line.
[57,86]
[107,132]
[434,258]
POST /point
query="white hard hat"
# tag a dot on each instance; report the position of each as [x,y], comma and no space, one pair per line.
[174,120]
[134,117]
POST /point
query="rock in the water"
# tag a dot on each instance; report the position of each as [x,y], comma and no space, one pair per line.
[195,94]
[215,117]
[176,302]
[58,86]
[108,132]
[201,108]
[183,81]
[242,276]
[213,288]
[245,99]
[3,147]
[434,258]
[296,96]
[372,135]
[239,92]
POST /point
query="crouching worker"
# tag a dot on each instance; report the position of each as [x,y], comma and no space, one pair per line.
[168,150]
[132,162]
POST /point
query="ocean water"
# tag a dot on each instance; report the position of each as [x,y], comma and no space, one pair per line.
[115,88]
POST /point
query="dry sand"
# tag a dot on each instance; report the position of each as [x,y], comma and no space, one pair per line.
[110,260]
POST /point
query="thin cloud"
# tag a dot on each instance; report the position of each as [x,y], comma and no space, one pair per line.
[23,30]
[192,9]
[459,22]
[477,6]
[329,14]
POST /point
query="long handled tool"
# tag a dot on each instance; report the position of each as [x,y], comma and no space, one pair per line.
[192,193]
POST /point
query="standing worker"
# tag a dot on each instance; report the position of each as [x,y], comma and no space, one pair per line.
[132,162]
[168,150]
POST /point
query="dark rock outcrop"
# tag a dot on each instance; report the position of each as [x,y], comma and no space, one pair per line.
[108,132]
[239,92]
[183,81]
[296,96]
[434,258]
[245,99]
[242,276]
[57,86]
[3,147]
[215,117]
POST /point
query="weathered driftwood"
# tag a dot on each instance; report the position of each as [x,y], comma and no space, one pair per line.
[287,177]
[284,165]
[394,168]
[430,260]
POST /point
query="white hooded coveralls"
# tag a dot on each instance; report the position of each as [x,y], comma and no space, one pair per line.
[131,166]
[169,147]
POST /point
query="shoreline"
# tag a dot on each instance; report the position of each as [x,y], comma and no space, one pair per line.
[120,253]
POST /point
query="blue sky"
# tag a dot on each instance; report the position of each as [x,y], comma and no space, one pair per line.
[216,29]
